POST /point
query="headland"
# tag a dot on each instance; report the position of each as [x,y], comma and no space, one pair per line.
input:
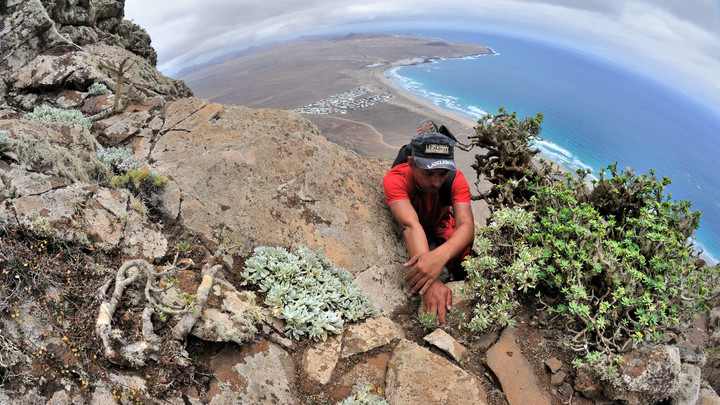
[341,86]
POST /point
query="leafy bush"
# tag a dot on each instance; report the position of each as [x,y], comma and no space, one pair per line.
[97,89]
[5,142]
[141,179]
[611,261]
[305,290]
[45,113]
[119,159]
[364,397]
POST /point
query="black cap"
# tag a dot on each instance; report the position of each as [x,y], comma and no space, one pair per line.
[432,150]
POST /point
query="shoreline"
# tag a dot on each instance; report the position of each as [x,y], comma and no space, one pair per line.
[380,77]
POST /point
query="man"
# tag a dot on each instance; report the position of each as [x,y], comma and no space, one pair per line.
[412,192]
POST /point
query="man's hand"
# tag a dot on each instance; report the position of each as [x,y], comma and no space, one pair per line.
[437,300]
[426,268]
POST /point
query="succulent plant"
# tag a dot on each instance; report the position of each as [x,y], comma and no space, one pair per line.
[307,291]
[45,113]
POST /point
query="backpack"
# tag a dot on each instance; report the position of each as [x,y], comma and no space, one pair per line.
[405,151]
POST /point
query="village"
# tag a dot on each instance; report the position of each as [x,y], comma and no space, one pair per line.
[343,102]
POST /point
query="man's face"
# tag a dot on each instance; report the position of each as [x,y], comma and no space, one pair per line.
[428,181]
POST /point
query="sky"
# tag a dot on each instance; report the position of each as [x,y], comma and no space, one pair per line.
[675,41]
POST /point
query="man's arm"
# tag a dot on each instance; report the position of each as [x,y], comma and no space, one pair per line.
[437,298]
[427,266]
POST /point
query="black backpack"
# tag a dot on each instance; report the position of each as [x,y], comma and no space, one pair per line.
[405,151]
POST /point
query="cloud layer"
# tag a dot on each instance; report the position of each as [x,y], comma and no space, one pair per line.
[663,38]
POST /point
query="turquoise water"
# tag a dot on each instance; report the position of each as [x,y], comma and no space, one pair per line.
[595,113]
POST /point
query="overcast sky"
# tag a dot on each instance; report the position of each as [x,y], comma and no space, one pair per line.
[673,40]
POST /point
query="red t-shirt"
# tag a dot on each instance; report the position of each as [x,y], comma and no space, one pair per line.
[399,184]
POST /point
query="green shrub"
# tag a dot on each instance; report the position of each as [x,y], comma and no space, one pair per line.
[119,159]
[140,179]
[5,142]
[364,396]
[611,262]
[305,290]
[45,113]
[97,89]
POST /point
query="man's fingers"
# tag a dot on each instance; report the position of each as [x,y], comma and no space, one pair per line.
[441,315]
[412,261]
[448,300]
[426,285]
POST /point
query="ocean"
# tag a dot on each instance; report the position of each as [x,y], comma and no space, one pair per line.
[595,113]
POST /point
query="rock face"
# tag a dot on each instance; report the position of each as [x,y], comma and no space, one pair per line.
[50,47]
[267,178]
[49,187]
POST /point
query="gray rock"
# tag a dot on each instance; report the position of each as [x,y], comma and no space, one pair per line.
[320,359]
[689,387]
[261,373]
[386,287]
[708,396]
[367,335]
[692,354]
[442,340]
[417,376]
[646,377]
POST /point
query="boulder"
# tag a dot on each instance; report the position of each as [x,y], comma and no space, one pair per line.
[646,377]
[417,376]
[261,373]
[688,392]
[370,334]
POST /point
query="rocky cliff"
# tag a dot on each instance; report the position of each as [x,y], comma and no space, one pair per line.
[83,323]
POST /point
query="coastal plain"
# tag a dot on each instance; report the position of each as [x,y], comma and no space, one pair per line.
[302,73]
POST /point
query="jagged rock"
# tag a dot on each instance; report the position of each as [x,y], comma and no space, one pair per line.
[646,377]
[417,376]
[369,373]
[228,316]
[558,378]
[440,339]
[516,375]
[117,129]
[261,373]
[689,386]
[61,149]
[320,359]
[553,364]
[372,333]
[587,383]
[708,396]
[48,52]
[21,41]
[692,354]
